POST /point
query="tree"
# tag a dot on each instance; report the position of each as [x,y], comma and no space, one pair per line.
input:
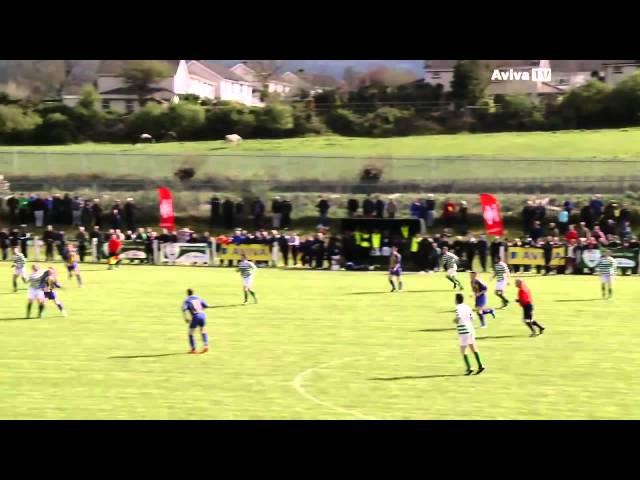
[387,77]
[623,102]
[16,124]
[275,120]
[519,112]
[351,77]
[89,98]
[140,75]
[186,119]
[470,80]
[584,106]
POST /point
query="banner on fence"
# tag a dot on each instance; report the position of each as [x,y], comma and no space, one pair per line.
[185,253]
[491,213]
[254,252]
[130,250]
[534,256]
[167,216]
[625,258]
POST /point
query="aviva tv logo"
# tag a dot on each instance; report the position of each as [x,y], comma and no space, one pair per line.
[533,75]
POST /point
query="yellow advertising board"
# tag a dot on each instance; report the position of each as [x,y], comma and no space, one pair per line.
[534,256]
[254,252]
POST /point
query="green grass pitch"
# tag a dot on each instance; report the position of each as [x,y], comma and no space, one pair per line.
[319,345]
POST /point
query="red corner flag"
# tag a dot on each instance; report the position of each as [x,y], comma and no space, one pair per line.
[167,217]
[491,213]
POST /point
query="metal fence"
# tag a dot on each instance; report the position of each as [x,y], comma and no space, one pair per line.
[212,168]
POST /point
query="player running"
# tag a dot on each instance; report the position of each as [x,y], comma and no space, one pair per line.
[450,264]
[395,268]
[50,283]
[114,247]
[524,299]
[19,263]
[73,268]
[193,311]
[480,293]
[501,273]
[607,268]
[247,270]
[36,291]
[466,334]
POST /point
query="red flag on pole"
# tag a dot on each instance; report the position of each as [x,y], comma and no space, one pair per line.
[491,213]
[167,217]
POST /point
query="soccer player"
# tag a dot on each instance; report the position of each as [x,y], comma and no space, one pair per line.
[193,311]
[466,334]
[395,268]
[114,246]
[72,264]
[501,273]
[480,291]
[18,268]
[36,291]
[524,299]
[50,283]
[450,264]
[247,269]
[607,268]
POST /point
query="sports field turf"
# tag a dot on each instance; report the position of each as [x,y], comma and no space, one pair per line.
[319,345]
[533,155]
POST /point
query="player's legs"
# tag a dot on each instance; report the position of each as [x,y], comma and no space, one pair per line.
[610,287]
[393,285]
[15,282]
[247,284]
[399,275]
[29,303]
[476,354]
[205,339]
[500,294]
[76,272]
[465,357]
[192,339]
[603,287]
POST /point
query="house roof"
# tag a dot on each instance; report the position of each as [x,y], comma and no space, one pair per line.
[576,65]
[114,67]
[620,62]
[311,80]
[222,71]
[197,68]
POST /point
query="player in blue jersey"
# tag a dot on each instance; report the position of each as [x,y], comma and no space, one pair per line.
[193,311]
[395,268]
[50,283]
[480,292]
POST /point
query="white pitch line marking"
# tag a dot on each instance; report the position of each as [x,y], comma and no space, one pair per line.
[298,385]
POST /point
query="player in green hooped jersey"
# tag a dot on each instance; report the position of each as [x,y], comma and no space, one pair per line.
[247,269]
[607,268]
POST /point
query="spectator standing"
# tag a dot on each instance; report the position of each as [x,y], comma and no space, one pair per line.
[67,210]
[23,209]
[528,217]
[38,211]
[563,221]
[4,243]
[114,220]
[391,208]
[568,206]
[283,246]
[130,214]
[368,207]
[276,212]
[536,231]
[552,230]
[379,206]
[214,217]
[86,217]
[323,209]
[463,217]
[414,208]
[448,213]
[294,246]
[482,248]
[49,239]
[97,213]
[228,213]
[352,207]
[287,207]
[583,231]
[12,205]
[257,212]
[596,206]
[82,240]
[571,235]
[430,207]
[76,211]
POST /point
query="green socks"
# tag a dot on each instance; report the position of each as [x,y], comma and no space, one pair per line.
[479,362]
[466,361]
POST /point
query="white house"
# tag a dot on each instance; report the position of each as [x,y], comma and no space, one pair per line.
[207,80]
[275,84]
[617,70]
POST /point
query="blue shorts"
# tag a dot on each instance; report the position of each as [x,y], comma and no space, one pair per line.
[199,320]
[50,295]
[481,300]
[72,267]
[395,271]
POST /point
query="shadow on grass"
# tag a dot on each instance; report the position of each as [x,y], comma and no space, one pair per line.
[436,330]
[500,336]
[226,306]
[151,356]
[580,300]
[422,377]
[402,292]
[8,319]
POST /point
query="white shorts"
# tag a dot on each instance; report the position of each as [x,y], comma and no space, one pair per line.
[19,271]
[247,281]
[467,339]
[36,294]
[606,279]
[452,271]
[501,285]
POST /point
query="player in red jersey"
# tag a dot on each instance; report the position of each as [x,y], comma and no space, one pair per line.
[114,247]
[525,301]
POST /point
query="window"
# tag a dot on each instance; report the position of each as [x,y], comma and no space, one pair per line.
[106,104]
[130,106]
[563,81]
[435,75]
[617,69]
